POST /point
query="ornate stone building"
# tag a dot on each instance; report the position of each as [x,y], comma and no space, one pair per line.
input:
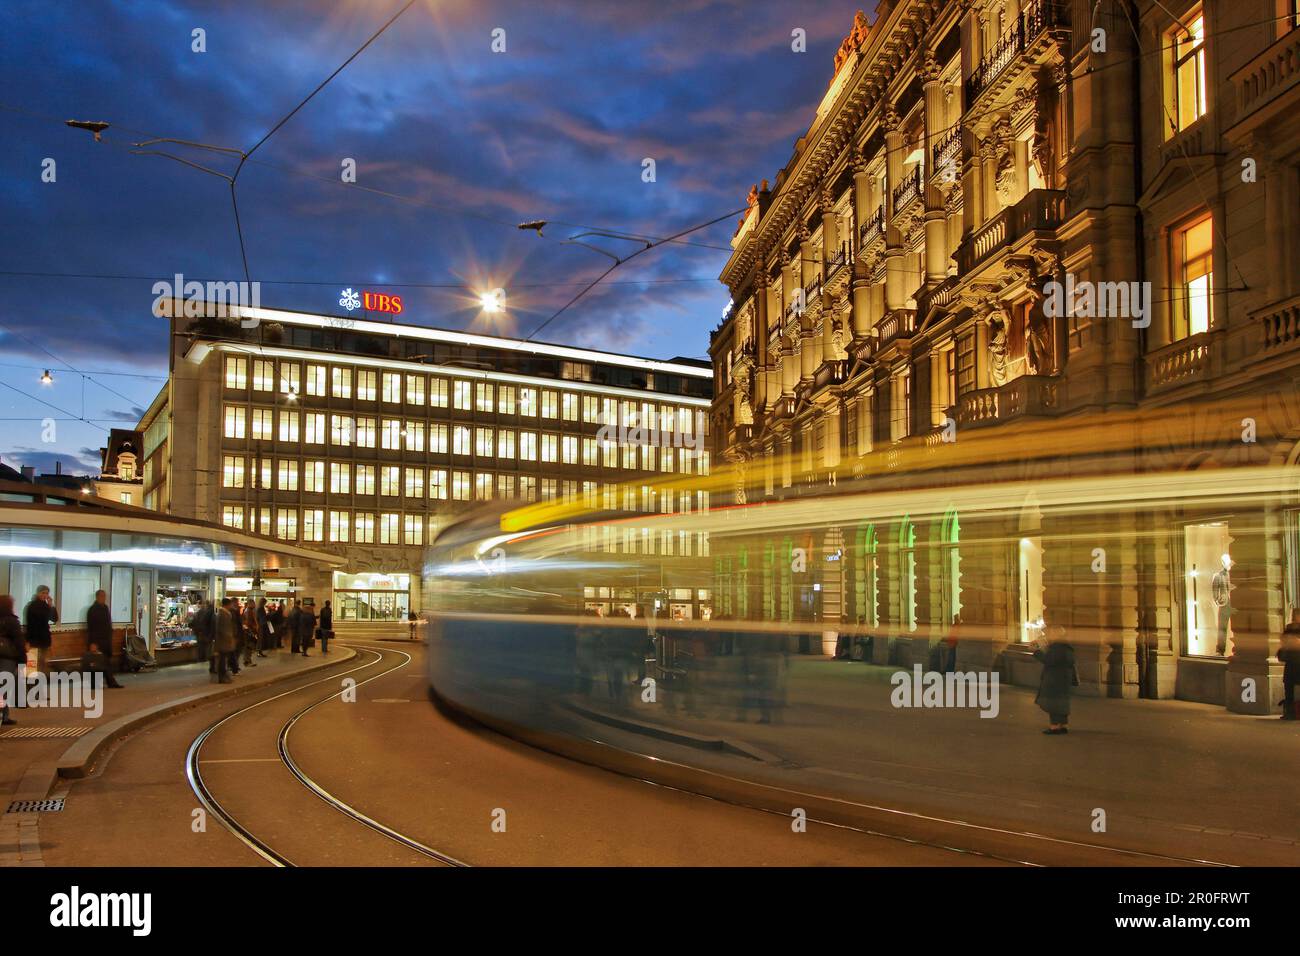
[1024,241]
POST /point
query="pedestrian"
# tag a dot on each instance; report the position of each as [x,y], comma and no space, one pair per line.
[99,637]
[1289,654]
[275,621]
[950,645]
[252,633]
[291,623]
[1058,679]
[13,653]
[326,629]
[263,628]
[226,641]
[201,626]
[306,627]
[39,614]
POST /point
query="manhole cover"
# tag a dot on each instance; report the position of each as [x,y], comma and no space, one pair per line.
[37,806]
[43,733]
[391,700]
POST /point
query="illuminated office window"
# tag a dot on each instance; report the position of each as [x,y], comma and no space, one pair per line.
[550,489]
[392,388]
[550,403]
[288,476]
[667,419]
[313,524]
[313,477]
[341,382]
[460,486]
[438,483]
[364,527]
[234,421]
[389,528]
[437,392]
[1194,255]
[527,488]
[288,426]
[286,523]
[628,417]
[415,389]
[341,430]
[1187,87]
[549,447]
[483,396]
[666,458]
[629,456]
[367,382]
[339,524]
[263,375]
[569,407]
[528,401]
[263,475]
[391,434]
[340,478]
[484,446]
[647,458]
[590,452]
[263,427]
[438,439]
[461,392]
[505,486]
[232,516]
[413,529]
[365,433]
[232,471]
[316,380]
[590,409]
[390,478]
[528,446]
[506,443]
[236,371]
[569,449]
[365,479]
[264,519]
[414,435]
[506,399]
[290,378]
[415,482]
[483,486]
[609,454]
[460,440]
[315,431]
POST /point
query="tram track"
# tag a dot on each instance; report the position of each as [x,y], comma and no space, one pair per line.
[243,832]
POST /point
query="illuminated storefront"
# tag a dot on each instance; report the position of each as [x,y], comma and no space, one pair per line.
[371,596]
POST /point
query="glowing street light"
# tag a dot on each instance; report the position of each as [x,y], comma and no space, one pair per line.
[47,378]
[493,301]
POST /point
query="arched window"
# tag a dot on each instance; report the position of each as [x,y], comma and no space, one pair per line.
[866,576]
[950,567]
[907,574]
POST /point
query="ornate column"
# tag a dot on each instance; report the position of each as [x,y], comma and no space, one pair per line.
[830,226]
[807,257]
[760,340]
[863,207]
[936,221]
[895,294]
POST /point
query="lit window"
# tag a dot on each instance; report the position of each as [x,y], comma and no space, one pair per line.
[288,476]
[590,409]
[365,480]
[365,433]
[390,477]
[1188,86]
[313,477]
[232,516]
[414,436]
[460,440]
[462,395]
[234,421]
[438,392]
[290,378]
[388,528]
[341,429]
[460,485]
[364,526]
[550,404]
[263,375]
[483,486]
[391,434]
[506,399]
[286,523]
[484,446]
[569,447]
[315,432]
[236,371]
[1196,263]
[262,424]
[438,483]
[438,439]
[316,380]
[341,382]
[415,482]
[366,382]
[392,388]
[339,526]
[549,448]
[340,478]
[413,529]
[483,396]
[313,524]
[415,389]
[569,409]
[232,471]
[505,443]
[288,426]
[528,402]
[528,446]
[527,488]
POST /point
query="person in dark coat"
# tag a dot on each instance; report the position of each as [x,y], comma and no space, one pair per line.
[326,627]
[306,624]
[13,650]
[1057,681]
[226,641]
[291,622]
[99,634]
[263,628]
[276,620]
[201,624]
[39,614]
[1289,654]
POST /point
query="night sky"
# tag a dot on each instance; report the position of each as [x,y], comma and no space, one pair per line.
[473,141]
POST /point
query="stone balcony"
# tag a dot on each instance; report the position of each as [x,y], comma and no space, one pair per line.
[1185,362]
[1279,326]
[872,231]
[898,324]
[907,192]
[1026,35]
[933,297]
[1040,211]
[1029,395]
[1262,85]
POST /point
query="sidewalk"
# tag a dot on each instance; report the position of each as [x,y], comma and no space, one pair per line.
[1172,777]
[65,743]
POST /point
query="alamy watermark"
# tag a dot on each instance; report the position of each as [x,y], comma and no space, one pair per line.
[1122,300]
[208,299]
[953,689]
[84,692]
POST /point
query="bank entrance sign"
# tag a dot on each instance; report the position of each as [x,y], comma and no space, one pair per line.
[351,300]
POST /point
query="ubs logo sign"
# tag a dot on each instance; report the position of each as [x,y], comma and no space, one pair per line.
[372,301]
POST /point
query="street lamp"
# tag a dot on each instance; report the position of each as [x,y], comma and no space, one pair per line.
[47,378]
[493,301]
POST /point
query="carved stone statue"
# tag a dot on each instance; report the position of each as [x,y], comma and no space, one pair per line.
[1040,352]
[744,406]
[999,323]
[1006,180]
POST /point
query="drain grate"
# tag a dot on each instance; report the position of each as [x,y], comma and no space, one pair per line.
[51,805]
[43,733]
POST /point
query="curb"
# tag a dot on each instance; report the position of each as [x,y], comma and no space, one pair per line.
[75,762]
[684,737]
